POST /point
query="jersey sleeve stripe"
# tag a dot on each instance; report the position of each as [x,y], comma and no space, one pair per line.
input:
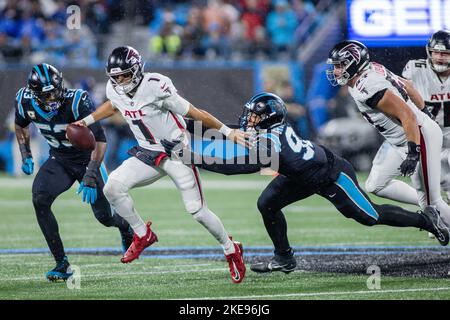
[75,103]
[19,103]
[180,126]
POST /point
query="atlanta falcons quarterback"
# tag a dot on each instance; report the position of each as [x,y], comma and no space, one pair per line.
[154,111]
[383,100]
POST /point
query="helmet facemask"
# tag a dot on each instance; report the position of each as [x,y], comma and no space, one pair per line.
[126,86]
[342,65]
[50,97]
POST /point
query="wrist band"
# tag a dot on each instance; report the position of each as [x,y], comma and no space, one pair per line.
[225,130]
[88,120]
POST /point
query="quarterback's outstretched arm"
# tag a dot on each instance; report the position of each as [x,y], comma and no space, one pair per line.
[209,121]
[106,110]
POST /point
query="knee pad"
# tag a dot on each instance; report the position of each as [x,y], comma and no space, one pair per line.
[42,200]
[371,186]
[185,182]
[193,206]
[113,190]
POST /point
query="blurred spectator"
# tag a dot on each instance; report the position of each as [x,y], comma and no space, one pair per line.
[168,41]
[281,24]
[193,35]
[253,20]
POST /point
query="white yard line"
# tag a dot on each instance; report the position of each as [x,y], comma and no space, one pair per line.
[312,294]
[117,274]
[162,184]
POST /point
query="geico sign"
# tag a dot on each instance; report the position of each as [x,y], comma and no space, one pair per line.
[379,18]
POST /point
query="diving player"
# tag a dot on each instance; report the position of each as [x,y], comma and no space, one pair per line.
[51,107]
[304,169]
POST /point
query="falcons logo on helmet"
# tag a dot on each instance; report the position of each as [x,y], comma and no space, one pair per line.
[132,56]
[352,50]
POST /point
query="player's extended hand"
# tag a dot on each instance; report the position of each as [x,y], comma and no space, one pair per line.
[28,166]
[240,137]
[89,187]
[409,165]
[79,123]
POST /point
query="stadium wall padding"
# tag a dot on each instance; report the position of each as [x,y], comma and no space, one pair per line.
[221,91]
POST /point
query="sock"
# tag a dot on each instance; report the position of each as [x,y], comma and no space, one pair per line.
[395,216]
[399,191]
[213,224]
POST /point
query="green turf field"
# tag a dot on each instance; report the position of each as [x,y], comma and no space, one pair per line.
[313,223]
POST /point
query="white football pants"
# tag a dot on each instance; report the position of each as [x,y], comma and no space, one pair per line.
[427,178]
[134,173]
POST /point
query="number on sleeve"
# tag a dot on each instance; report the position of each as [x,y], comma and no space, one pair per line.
[304,147]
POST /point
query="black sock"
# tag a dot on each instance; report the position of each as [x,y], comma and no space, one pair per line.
[49,228]
[276,227]
[395,216]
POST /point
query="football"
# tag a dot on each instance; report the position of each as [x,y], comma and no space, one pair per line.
[80,137]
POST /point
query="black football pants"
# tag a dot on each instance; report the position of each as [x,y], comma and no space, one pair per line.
[345,194]
[54,178]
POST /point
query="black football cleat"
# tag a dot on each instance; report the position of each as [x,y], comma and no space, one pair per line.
[435,225]
[285,263]
[62,271]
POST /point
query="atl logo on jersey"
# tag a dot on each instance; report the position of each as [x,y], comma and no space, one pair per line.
[440,96]
[134,114]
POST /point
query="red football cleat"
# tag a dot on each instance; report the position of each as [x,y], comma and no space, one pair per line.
[139,244]
[236,263]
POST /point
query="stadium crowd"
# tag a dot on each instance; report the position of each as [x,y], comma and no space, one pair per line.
[33,30]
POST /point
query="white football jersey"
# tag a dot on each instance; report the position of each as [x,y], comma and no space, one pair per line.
[371,81]
[435,93]
[155,112]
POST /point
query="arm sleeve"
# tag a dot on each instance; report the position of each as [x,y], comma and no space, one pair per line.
[86,108]
[20,118]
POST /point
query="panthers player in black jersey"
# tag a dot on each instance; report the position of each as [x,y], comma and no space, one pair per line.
[46,103]
[304,169]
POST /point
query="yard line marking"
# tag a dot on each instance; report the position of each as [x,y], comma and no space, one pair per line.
[244,184]
[312,294]
[120,274]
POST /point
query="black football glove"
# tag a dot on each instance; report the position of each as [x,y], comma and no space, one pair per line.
[89,183]
[409,165]
[174,148]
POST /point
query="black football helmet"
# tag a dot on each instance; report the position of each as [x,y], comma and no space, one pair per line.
[439,42]
[125,61]
[351,57]
[46,85]
[269,107]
